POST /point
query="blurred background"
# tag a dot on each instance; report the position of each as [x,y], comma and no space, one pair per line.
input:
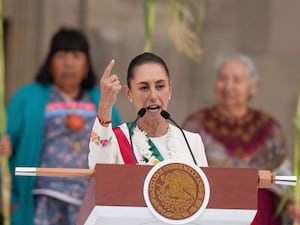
[266,30]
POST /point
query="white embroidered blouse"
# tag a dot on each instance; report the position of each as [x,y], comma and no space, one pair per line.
[104,147]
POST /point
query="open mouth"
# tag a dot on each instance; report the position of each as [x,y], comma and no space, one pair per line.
[153,108]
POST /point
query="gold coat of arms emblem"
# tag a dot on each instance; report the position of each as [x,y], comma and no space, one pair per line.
[176,191]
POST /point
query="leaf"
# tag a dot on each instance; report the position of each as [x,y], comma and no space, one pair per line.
[297,126]
[185,25]
[182,21]
[284,199]
[294,191]
[149,9]
[5,173]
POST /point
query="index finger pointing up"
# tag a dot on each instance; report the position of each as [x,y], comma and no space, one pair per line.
[108,69]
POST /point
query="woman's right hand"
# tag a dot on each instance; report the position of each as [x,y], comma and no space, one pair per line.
[110,86]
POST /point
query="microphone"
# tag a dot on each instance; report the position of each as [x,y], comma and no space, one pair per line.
[140,114]
[167,116]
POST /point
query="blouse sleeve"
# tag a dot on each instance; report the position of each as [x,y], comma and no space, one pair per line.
[278,151]
[103,146]
[281,165]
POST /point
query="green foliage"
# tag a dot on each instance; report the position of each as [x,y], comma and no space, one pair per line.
[294,191]
[297,154]
[5,174]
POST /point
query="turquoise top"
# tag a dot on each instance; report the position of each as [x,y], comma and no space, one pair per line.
[25,126]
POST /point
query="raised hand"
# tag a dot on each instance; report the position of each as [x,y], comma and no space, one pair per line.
[110,86]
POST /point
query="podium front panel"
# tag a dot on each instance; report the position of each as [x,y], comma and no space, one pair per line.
[120,187]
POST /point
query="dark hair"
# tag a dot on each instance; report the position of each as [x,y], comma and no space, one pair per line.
[146,57]
[67,40]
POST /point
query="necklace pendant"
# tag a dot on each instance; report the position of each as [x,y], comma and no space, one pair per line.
[75,122]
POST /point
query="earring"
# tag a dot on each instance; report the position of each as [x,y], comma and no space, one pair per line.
[169,97]
[131,100]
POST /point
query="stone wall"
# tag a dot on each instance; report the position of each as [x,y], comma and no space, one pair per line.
[265,30]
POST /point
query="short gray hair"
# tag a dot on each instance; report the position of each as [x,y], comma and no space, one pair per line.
[252,72]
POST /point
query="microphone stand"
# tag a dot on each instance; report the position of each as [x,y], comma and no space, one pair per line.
[140,114]
[167,116]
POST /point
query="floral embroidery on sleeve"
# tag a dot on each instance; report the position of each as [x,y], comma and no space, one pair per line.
[95,138]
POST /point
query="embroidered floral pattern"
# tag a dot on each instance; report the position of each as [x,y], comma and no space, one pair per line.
[95,138]
[141,141]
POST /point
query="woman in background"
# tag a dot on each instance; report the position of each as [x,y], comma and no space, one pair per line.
[236,135]
[49,123]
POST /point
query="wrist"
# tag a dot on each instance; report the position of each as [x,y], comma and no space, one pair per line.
[103,122]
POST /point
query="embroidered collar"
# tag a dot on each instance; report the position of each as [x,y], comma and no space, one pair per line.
[240,136]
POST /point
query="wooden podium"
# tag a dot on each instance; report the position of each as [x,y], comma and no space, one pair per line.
[115,197]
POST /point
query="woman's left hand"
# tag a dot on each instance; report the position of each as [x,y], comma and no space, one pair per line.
[5,146]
